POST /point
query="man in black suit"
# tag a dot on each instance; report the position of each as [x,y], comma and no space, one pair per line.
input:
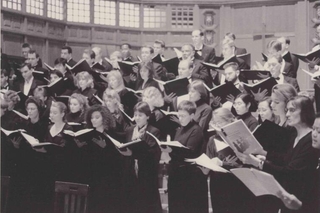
[39,72]
[25,48]
[160,71]
[159,47]
[66,53]
[28,83]
[237,51]
[202,52]
[275,49]
[274,66]
[199,71]
[5,84]
[289,57]
[125,49]
[99,59]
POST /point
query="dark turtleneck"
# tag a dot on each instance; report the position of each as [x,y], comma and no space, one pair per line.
[75,117]
[249,120]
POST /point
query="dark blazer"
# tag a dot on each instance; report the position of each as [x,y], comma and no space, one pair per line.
[201,72]
[146,194]
[298,165]
[240,51]
[288,70]
[249,120]
[292,59]
[71,62]
[203,115]
[208,54]
[40,76]
[19,86]
[292,81]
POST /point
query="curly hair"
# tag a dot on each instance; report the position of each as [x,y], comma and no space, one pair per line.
[108,120]
[83,101]
[36,101]
[84,75]
[114,95]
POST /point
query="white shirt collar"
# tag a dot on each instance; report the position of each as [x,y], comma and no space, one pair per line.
[281,80]
[282,66]
[285,53]
[200,48]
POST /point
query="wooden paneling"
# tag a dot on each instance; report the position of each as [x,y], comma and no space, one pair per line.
[56,30]
[280,18]
[150,37]
[77,49]
[36,26]
[54,51]
[12,44]
[247,20]
[12,22]
[38,44]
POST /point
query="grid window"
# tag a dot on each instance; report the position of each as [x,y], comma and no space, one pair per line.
[35,7]
[78,11]
[55,9]
[129,15]
[12,4]
[105,12]
[182,17]
[154,17]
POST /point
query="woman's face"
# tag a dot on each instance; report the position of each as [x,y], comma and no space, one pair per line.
[144,73]
[83,83]
[32,110]
[74,105]
[316,134]
[194,95]
[96,119]
[184,117]
[140,118]
[110,103]
[240,107]
[113,82]
[265,111]
[278,107]
[293,115]
[149,99]
[55,114]
[53,78]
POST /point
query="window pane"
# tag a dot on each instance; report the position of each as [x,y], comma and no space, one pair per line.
[78,11]
[154,16]
[104,12]
[55,10]
[129,15]
[182,17]
[35,7]
[12,4]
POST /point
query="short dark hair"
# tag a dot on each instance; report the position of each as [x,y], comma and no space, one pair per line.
[188,106]
[248,99]
[34,52]
[231,35]
[60,61]
[36,101]
[307,113]
[67,48]
[26,45]
[163,45]
[142,107]
[126,44]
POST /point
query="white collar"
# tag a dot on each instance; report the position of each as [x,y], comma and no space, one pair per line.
[285,53]
[198,49]
[282,66]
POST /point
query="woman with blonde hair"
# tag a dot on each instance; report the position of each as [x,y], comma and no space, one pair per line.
[84,83]
[78,105]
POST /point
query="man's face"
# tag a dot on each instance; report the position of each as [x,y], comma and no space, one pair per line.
[26,73]
[125,51]
[145,54]
[227,51]
[4,80]
[231,74]
[187,52]
[25,51]
[184,70]
[65,54]
[158,49]
[196,38]
[274,67]
[32,59]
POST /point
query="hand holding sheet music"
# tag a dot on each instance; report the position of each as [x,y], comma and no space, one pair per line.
[206,162]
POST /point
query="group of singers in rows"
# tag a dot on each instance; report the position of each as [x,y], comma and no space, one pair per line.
[125,180]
